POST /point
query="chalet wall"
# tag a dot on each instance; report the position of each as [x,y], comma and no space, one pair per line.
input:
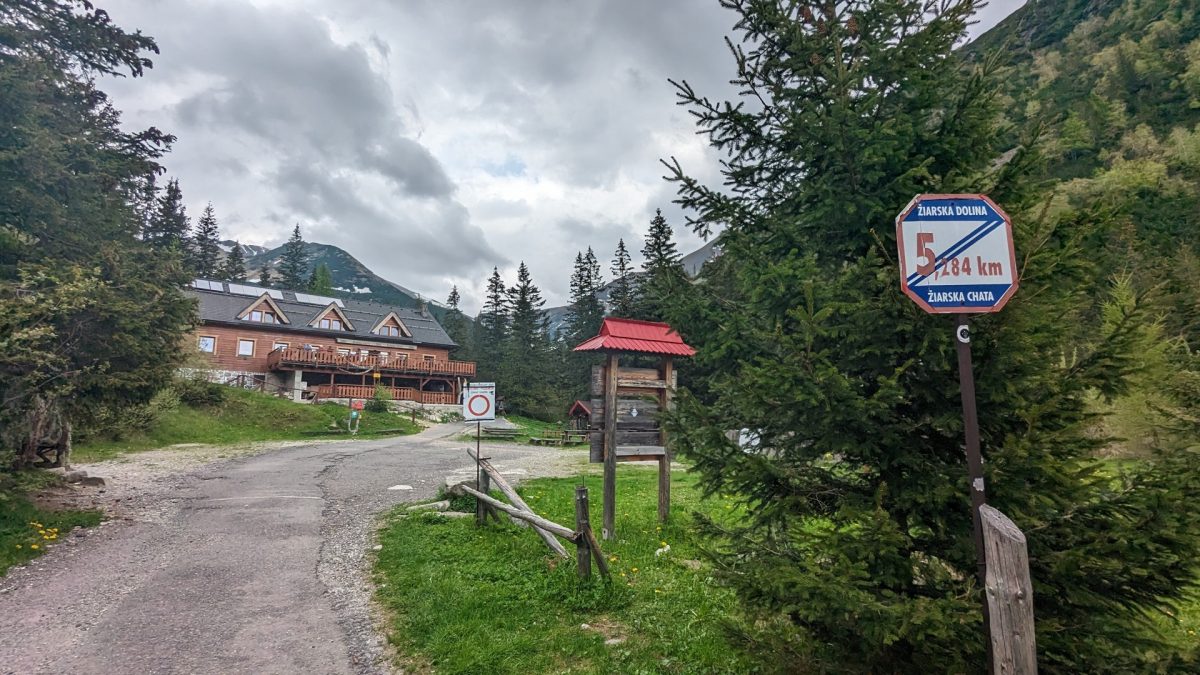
[225,356]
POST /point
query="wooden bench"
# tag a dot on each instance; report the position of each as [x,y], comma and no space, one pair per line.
[500,432]
[556,439]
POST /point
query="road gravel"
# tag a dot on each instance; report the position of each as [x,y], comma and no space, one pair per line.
[257,563]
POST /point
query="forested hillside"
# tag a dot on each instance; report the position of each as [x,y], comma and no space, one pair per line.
[1114,88]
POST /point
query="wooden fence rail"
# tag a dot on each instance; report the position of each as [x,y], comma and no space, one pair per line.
[587,547]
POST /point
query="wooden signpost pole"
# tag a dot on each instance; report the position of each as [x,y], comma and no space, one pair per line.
[966,380]
[608,527]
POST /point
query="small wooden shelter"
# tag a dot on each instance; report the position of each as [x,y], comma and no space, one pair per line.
[580,416]
[626,402]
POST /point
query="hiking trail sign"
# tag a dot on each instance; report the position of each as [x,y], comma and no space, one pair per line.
[956,254]
[479,402]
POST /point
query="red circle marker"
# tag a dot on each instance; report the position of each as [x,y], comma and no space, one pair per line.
[486,405]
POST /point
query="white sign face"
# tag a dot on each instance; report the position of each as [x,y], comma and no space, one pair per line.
[956,254]
[479,401]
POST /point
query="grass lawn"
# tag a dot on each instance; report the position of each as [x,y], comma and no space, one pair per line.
[244,416]
[528,428]
[492,600]
[25,530]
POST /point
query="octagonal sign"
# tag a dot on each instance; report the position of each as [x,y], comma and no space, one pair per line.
[956,254]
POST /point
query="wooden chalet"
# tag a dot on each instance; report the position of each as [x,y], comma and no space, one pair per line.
[310,346]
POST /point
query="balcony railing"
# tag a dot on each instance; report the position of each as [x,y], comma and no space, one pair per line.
[397,393]
[295,358]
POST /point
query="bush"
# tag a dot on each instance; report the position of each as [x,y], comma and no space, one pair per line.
[200,393]
[379,402]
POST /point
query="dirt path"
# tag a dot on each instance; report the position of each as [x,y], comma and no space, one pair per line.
[250,564]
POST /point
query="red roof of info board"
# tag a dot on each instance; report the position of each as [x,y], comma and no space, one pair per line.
[632,335]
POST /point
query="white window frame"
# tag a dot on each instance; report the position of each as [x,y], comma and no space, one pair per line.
[280,345]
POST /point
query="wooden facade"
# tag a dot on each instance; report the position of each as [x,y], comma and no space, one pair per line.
[341,350]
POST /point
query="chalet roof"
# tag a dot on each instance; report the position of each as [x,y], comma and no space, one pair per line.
[580,407]
[640,337]
[221,303]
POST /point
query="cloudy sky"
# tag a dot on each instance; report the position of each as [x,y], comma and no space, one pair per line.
[434,139]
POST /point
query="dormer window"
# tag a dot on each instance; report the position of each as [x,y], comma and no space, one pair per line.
[332,318]
[263,310]
[391,326]
[263,316]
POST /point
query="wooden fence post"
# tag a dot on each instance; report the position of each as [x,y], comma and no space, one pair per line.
[608,526]
[583,547]
[1009,595]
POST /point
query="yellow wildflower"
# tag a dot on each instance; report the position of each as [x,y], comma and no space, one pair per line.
[33,546]
[634,570]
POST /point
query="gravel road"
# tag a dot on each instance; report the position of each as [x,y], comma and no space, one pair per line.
[245,564]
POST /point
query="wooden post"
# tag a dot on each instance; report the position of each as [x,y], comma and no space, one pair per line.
[583,547]
[608,527]
[664,462]
[1009,595]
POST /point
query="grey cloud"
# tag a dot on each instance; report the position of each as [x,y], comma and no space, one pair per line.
[394,240]
[410,167]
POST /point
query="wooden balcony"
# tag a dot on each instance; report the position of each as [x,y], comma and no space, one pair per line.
[398,393]
[303,359]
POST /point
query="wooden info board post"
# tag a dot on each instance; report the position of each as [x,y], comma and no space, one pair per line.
[627,401]
[625,406]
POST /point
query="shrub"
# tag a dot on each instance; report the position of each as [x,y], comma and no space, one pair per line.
[379,402]
[200,393]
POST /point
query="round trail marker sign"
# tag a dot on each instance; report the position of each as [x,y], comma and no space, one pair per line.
[956,254]
[479,402]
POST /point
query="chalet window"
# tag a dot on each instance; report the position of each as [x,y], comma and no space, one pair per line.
[280,345]
[344,352]
[334,324]
[207,344]
[245,347]
[261,316]
[428,358]
[390,331]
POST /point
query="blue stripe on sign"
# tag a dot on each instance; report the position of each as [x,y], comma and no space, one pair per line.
[970,295]
[957,249]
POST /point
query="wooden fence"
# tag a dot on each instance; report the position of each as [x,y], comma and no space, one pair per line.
[586,546]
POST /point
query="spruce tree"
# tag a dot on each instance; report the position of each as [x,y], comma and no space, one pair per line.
[168,228]
[492,327]
[585,311]
[662,273]
[457,325]
[524,371]
[856,545]
[582,322]
[265,279]
[621,297]
[321,281]
[234,268]
[293,264]
[91,315]
[206,245]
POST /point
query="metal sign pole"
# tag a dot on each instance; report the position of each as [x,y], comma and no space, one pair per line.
[480,514]
[966,380]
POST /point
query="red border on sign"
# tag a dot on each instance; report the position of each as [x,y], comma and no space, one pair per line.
[1012,250]
[471,409]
